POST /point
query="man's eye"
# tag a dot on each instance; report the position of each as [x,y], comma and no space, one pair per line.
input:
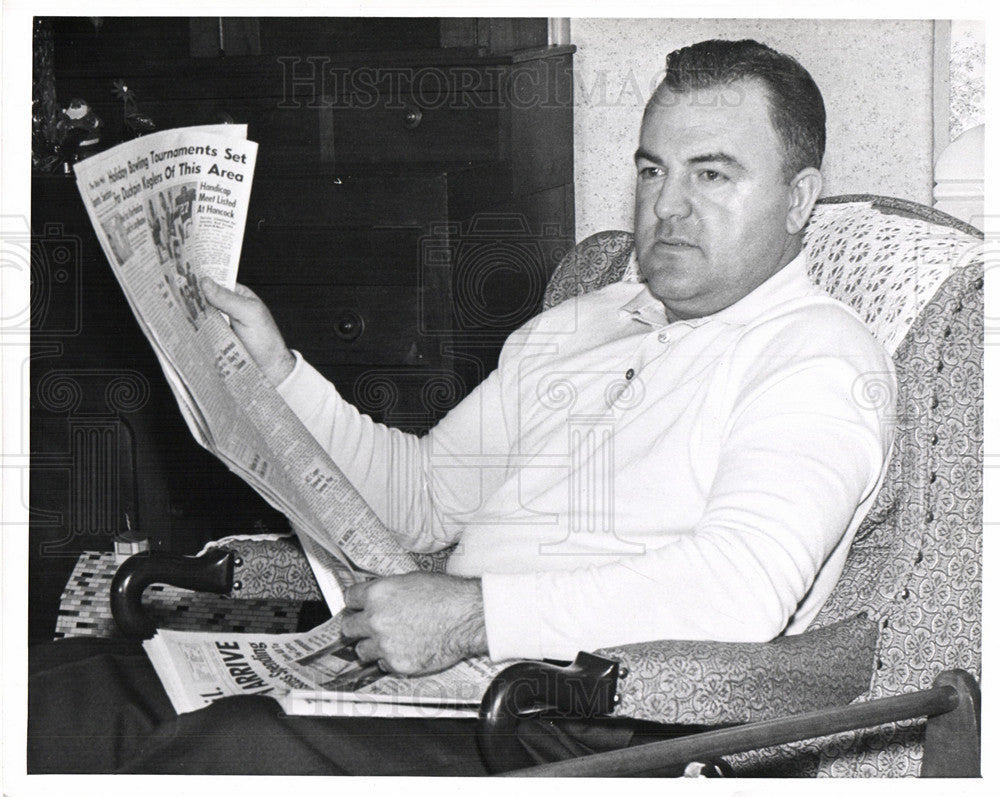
[650,172]
[711,176]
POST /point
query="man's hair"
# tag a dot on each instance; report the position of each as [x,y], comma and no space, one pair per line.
[796,104]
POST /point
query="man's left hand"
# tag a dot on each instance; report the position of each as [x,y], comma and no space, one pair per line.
[416,623]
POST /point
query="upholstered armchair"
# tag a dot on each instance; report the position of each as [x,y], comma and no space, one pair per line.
[907,608]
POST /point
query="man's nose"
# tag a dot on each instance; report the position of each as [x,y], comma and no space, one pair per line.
[673,200]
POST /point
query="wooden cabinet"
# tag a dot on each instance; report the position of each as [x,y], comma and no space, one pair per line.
[414,190]
[400,276]
[389,177]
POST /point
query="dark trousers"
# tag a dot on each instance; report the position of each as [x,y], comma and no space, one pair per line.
[97,706]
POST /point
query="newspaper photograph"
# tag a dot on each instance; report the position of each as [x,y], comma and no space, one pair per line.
[169,210]
[311,673]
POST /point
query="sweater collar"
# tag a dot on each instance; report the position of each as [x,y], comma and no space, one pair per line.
[791,282]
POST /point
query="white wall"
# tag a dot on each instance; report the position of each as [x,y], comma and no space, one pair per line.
[876,79]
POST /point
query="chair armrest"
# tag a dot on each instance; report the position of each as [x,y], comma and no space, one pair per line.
[270,568]
[722,683]
[952,746]
[241,568]
[211,572]
[683,683]
[266,567]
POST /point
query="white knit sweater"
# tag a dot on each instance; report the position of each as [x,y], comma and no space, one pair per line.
[619,478]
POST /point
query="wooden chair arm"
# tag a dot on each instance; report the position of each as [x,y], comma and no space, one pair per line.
[210,572]
[585,688]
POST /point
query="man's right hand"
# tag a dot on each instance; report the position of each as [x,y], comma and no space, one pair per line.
[254,326]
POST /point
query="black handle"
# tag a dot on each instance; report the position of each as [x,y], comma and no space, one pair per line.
[585,688]
[210,572]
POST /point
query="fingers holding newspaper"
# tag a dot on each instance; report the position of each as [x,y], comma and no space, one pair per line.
[416,623]
[254,326]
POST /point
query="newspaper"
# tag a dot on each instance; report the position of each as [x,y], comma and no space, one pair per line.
[169,209]
[311,673]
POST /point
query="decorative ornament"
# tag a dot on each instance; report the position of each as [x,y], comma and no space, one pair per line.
[78,125]
[78,132]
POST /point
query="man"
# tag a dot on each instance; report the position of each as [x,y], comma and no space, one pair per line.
[727,174]
[711,407]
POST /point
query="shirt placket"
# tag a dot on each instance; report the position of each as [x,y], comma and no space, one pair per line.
[627,391]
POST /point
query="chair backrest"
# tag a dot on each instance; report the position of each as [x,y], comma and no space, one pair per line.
[915,276]
[916,562]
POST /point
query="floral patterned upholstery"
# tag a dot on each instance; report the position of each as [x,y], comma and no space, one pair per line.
[916,565]
[909,601]
[597,261]
[270,566]
[723,683]
[914,572]
[273,566]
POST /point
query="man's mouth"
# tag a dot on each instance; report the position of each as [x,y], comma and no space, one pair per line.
[674,241]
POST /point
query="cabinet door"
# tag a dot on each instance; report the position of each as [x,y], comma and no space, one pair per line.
[338,258]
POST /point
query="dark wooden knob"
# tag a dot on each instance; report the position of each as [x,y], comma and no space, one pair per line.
[412,117]
[349,326]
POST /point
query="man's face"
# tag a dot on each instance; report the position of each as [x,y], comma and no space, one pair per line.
[711,201]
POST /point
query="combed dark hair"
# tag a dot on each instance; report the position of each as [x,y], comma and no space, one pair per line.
[797,111]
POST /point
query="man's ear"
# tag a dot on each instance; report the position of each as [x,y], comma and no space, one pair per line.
[803,193]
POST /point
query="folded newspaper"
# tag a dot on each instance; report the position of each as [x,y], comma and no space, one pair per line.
[169,209]
[314,672]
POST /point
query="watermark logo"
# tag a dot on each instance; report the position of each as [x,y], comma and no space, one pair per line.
[51,259]
[315,82]
[496,268]
[96,470]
